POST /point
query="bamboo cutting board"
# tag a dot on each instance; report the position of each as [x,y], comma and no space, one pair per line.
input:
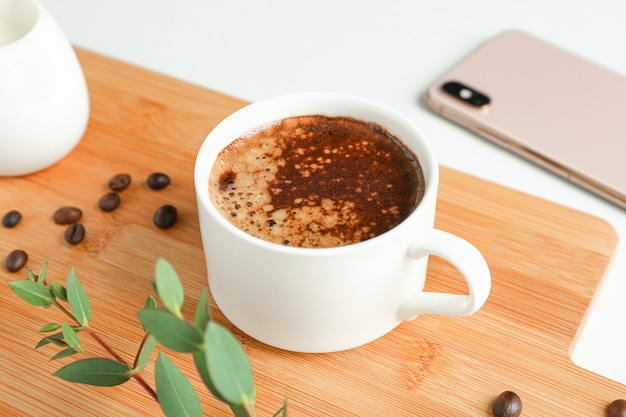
[546,261]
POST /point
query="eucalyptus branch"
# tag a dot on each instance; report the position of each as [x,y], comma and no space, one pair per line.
[135,374]
[219,358]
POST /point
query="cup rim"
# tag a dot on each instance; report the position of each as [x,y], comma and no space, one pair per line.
[207,155]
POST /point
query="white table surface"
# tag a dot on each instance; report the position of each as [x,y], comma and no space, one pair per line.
[388,51]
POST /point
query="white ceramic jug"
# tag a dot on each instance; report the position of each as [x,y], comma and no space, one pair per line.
[44,102]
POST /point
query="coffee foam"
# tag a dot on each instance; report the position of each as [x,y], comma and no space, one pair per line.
[316,181]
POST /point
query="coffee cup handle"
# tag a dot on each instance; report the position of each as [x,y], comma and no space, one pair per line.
[470,263]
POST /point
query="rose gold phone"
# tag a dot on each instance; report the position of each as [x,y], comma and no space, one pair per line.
[555,108]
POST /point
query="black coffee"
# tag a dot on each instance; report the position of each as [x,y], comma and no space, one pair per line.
[316,181]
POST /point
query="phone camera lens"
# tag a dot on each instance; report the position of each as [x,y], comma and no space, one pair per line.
[479,101]
[466,94]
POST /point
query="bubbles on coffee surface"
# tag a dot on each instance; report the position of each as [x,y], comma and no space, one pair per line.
[316,181]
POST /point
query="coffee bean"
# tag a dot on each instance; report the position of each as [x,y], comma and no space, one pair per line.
[508,404]
[67,215]
[165,216]
[109,201]
[12,218]
[16,260]
[74,233]
[617,408]
[119,182]
[158,181]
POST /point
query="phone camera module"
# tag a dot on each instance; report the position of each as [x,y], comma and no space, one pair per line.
[466,94]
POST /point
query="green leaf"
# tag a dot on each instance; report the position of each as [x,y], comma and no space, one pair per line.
[199,358]
[149,305]
[56,339]
[43,271]
[170,331]
[144,354]
[32,292]
[71,338]
[76,296]
[64,354]
[168,287]
[202,315]
[101,372]
[58,291]
[150,302]
[50,327]
[30,275]
[176,394]
[228,366]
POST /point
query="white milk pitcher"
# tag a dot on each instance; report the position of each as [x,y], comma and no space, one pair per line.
[44,102]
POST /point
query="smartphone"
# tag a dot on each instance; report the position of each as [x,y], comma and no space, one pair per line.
[544,103]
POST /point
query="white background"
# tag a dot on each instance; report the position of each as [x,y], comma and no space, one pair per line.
[388,51]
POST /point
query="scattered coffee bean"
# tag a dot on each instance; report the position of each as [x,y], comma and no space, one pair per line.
[119,182]
[16,260]
[67,215]
[75,233]
[109,201]
[165,216]
[508,404]
[12,218]
[617,408]
[158,181]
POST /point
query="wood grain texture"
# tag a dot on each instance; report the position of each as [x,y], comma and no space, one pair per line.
[546,261]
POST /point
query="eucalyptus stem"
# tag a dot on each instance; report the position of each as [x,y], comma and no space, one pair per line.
[64,310]
[249,409]
[118,358]
[145,386]
[105,345]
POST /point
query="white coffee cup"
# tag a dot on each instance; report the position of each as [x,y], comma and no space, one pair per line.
[331,299]
[44,101]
